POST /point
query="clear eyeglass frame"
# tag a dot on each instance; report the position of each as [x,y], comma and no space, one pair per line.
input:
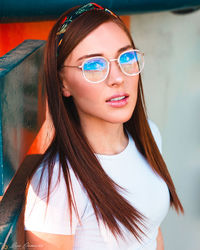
[108,61]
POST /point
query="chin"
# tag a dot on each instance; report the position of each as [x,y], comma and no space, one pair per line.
[121,119]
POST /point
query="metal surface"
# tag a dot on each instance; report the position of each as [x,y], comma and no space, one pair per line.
[20,101]
[12,10]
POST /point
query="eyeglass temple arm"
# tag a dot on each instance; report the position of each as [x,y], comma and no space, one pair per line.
[70,66]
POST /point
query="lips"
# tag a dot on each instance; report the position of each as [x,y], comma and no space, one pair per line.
[118,101]
[116,98]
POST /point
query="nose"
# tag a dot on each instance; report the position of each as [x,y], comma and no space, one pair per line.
[115,75]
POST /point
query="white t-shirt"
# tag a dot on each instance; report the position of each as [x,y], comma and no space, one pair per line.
[146,191]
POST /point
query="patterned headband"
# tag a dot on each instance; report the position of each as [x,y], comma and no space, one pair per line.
[73,15]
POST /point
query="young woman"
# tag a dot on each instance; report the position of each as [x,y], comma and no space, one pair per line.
[103,183]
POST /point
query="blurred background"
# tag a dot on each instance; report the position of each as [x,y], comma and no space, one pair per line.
[169,35]
[171,79]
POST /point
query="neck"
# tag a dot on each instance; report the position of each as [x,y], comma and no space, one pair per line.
[106,138]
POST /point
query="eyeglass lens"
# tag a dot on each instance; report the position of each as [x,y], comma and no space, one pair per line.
[129,62]
[96,69]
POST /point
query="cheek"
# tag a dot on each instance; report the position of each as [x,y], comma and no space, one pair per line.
[134,84]
[82,91]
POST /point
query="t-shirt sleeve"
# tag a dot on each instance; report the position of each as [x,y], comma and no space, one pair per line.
[156,134]
[54,218]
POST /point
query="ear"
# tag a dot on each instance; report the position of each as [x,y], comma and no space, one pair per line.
[65,90]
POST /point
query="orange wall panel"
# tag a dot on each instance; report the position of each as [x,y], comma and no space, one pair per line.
[12,34]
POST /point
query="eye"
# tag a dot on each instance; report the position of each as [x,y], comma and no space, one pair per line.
[131,62]
[128,57]
[95,64]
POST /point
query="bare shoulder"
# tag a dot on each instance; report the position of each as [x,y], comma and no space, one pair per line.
[47,241]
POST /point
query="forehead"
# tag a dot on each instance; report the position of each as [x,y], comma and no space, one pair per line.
[106,39]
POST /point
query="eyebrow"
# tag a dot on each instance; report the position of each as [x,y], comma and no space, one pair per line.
[100,54]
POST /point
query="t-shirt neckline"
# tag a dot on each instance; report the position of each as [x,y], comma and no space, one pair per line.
[118,155]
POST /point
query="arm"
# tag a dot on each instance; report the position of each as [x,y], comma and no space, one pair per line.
[47,241]
[160,241]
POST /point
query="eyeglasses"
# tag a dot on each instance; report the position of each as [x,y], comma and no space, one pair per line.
[96,69]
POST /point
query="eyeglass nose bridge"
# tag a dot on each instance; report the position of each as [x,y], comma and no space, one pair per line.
[109,65]
[113,60]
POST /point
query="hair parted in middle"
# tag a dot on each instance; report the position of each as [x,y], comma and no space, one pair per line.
[71,145]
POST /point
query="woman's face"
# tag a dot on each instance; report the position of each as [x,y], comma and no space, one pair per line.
[94,101]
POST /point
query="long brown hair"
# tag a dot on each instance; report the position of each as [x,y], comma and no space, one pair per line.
[71,145]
